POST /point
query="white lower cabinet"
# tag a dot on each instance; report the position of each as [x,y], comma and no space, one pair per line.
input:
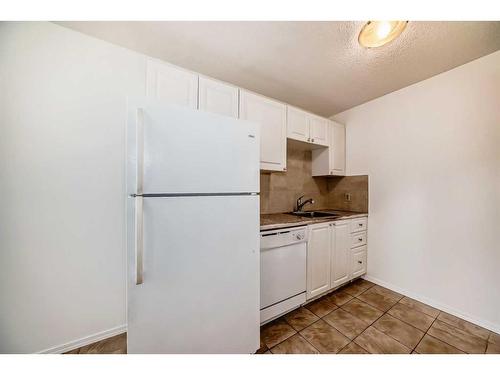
[318,259]
[341,251]
[335,254]
[358,261]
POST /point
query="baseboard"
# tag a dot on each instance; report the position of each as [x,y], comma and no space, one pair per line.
[480,322]
[123,328]
[85,340]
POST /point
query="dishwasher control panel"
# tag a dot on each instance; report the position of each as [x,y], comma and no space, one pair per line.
[282,237]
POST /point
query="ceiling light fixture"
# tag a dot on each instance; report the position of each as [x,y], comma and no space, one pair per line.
[377,33]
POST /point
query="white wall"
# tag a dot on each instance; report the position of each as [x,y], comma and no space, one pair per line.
[432,153]
[62,185]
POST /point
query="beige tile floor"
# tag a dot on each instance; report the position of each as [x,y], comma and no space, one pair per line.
[359,318]
[113,345]
[363,317]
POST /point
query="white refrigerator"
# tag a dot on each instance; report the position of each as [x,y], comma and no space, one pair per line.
[192,231]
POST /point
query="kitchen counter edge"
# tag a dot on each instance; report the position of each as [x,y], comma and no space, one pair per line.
[281,220]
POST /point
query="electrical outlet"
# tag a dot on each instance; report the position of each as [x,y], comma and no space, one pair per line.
[347,197]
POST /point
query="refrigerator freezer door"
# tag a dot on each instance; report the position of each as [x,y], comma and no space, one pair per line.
[189,151]
[200,287]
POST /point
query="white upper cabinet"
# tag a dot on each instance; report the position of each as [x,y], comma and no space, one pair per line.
[271,115]
[331,161]
[318,130]
[278,121]
[217,97]
[337,148]
[171,85]
[306,127]
[297,125]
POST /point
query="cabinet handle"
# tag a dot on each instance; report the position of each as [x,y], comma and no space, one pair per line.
[360,239]
[360,262]
[308,139]
[313,140]
[360,224]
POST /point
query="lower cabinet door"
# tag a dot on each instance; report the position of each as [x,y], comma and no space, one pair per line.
[340,260]
[358,261]
[318,259]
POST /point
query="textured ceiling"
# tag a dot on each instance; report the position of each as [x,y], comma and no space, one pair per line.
[318,66]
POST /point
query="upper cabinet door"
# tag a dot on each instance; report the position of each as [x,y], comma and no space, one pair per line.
[217,97]
[318,130]
[337,148]
[271,116]
[171,85]
[297,125]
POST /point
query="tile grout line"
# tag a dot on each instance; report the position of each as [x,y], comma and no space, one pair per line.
[488,342]
[354,297]
[395,339]
[425,333]
[464,331]
[272,322]
[459,330]
[321,318]
[292,327]
[387,312]
[363,320]
[324,321]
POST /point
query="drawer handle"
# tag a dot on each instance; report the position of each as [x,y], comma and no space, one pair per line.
[360,224]
[360,262]
[360,239]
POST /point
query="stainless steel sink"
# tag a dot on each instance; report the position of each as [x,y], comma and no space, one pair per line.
[313,214]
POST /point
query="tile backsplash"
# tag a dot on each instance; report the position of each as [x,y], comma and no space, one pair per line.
[279,191]
[355,186]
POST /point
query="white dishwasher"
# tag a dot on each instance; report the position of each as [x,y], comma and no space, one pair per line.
[282,271]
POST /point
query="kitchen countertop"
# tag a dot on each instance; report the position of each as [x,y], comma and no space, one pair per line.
[286,220]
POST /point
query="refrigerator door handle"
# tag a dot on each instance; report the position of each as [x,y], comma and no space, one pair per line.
[140,151]
[139,239]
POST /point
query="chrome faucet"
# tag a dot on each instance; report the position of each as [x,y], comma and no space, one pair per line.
[301,204]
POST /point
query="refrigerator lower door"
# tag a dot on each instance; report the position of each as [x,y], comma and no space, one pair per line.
[199,274]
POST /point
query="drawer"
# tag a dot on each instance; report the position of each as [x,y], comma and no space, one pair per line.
[358,239]
[358,225]
[358,261]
